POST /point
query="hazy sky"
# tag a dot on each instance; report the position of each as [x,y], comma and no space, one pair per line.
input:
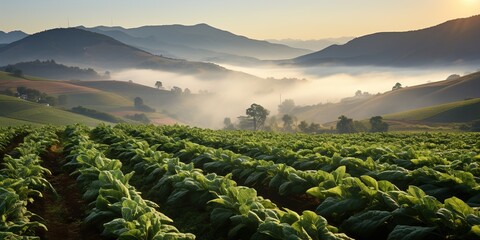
[260,19]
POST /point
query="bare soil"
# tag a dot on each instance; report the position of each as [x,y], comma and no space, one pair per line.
[63,211]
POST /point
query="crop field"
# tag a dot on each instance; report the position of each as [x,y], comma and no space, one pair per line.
[177,182]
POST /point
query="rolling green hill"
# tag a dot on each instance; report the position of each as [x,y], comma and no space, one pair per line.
[114,97]
[168,104]
[14,111]
[391,102]
[460,111]
[76,95]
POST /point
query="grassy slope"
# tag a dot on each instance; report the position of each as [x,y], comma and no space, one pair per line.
[114,97]
[460,111]
[161,100]
[5,121]
[77,95]
[14,111]
[406,99]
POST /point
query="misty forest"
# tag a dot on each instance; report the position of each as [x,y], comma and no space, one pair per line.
[194,132]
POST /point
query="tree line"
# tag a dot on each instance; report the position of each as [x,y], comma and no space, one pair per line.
[256,118]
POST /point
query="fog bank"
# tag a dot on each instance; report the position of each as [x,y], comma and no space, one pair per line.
[306,86]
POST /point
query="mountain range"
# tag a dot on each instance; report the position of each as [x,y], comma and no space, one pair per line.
[314,44]
[199,42]
[83,48]
[9,37]
[452,42]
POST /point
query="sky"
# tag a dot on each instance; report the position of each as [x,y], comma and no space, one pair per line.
[259,19]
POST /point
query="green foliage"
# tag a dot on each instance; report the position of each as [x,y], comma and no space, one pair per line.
[259,115]
[117,206]
[364,185]
[22,179]
[139,105]
[345,125]
[378,125]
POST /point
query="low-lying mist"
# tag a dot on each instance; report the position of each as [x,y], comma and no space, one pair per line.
[306,86]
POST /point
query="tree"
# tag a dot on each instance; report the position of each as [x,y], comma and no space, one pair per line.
[158,84]
[21,90]
[345,125]
[9,68]
[303,126]
[52,101]
[397,86]
[378,125]
[286,106]
[228,125]
[138,102]
[187,91]
[176,90]
[287,122]
[314,128]
[139,105]
[453,77]
[259,115]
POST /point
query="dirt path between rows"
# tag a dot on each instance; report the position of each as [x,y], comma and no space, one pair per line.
[64,212]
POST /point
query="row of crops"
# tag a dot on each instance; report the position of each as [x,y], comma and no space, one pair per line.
[176,182]
[22,179]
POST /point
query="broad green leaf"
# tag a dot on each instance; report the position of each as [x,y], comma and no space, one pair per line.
[475,230]
[219,216]
[369,181]
[333,206]
[457,205]
[416,192]
[403,232]
[365,224]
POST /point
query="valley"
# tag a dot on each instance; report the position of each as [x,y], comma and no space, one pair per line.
[235,120]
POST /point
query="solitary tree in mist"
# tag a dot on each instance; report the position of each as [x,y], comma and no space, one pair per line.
[138,102]
[397,86]
[259,115]
[287,122]
[303,126]
[159,85]
[345,125]
[228,125]
[176,90]
[378,125]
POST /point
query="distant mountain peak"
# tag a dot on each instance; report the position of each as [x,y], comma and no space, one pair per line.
[12,36]
[452,42]
[200,42]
